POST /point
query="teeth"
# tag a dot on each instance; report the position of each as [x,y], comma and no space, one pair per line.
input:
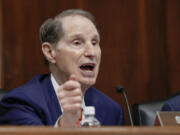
[87,67]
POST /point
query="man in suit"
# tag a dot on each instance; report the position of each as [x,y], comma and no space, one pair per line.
[172,104]
[70,44]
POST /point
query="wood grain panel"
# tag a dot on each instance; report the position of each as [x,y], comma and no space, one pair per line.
[173,42]
[157,49]
[1,42]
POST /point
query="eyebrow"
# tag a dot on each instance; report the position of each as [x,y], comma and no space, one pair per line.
[97,37]
[81,35]
[75,35]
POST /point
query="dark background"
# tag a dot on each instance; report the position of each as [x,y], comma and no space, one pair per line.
[140,41]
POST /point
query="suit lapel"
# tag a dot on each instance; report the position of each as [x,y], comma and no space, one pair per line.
[52,100]
[93,99]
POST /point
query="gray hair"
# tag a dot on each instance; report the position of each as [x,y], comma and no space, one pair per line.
[51,30]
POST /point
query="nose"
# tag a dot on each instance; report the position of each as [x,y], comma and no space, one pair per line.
[90,51]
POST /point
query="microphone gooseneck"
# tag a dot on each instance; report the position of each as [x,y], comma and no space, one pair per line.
[121,90]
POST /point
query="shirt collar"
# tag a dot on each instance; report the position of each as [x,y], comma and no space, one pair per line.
[55,84]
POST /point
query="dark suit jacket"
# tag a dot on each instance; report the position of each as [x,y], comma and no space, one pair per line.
[36,103]
[172,104]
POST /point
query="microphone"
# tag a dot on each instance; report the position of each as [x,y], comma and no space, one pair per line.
[121,90]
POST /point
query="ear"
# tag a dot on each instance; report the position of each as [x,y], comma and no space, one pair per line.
[49,52]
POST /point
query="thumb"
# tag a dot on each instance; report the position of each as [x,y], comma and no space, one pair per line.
[73,77]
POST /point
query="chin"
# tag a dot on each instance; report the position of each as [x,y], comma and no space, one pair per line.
[88,82]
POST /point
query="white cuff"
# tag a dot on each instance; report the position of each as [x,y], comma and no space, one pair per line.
[56,125]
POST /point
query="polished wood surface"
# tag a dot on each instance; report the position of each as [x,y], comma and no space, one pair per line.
[139,40]
[89,131]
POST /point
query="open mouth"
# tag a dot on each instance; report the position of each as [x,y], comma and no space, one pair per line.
[87,67]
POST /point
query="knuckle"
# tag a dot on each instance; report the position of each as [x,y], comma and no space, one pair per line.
[79,98]
[78,85]
[79,92]
[78,106]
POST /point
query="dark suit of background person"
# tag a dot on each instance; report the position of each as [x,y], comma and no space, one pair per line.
[70,44]
[172,104]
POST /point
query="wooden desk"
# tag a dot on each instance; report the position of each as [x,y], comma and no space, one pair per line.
[22,130]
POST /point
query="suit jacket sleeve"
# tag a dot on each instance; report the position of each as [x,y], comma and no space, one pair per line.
[121,117]
[34,103]
[166,107]
[14,112]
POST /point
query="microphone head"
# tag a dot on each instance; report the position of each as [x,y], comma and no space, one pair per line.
[120,89]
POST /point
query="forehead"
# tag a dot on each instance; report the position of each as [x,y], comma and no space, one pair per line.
[76,24]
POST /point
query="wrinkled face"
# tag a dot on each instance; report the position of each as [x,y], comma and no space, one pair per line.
[78,51]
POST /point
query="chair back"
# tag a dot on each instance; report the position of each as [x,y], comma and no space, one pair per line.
[144,114]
